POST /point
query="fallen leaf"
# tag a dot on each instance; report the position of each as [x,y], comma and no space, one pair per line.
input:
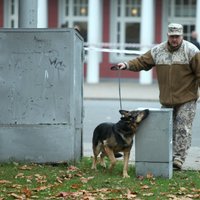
[18,197]
[196,196]
[26,192]
[67,176]
[79,174]
[17,186]
[148,194]
[196,190]
[20,175]
[145,187]
[149,175]
[140,178]
[4,181]
[40,176]
[183,189]
[59,180]
[75,186]
[170,196]
[72,168]
[40,188]
[73,195]
[40,179]
[190,195]
[85,180]
[25,167]
[131,195]
[64,194]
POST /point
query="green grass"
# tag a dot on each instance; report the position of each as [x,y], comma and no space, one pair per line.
[32,181]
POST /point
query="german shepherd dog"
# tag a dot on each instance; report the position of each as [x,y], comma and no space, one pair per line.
[111,138]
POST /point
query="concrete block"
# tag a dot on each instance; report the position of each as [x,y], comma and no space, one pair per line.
[153,144]
[37,143]
[157,169]
[41,89]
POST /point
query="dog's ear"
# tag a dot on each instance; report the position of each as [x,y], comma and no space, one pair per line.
[125,113]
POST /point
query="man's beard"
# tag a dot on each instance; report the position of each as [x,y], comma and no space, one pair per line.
[172,48]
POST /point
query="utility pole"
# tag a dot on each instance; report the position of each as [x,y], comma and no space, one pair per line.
[28,13]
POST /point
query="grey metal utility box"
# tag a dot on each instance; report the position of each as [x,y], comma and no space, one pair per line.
[41,89]
[153,145]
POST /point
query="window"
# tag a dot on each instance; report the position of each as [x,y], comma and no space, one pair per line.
[125,26]
[132,31]
[133,8]
[183,12]
[80,7]
[74,13]
[185,8]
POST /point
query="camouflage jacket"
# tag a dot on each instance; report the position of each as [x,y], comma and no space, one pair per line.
[178,72]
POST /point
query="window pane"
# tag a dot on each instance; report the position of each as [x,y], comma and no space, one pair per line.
[12,7]
[118,8]
[132,34]
[66,7]
[178,10]
[118,32]
[185,8]
[81,7]
[12,23]
[178,2]
[133,8]
[187,31]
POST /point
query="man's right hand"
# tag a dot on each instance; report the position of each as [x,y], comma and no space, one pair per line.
[119,66]
[122,66]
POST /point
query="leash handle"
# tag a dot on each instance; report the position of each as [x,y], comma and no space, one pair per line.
[114,67]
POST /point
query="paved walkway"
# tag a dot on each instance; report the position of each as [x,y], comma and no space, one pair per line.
[131,90]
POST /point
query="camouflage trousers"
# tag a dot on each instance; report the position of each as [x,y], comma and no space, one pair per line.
[183,117]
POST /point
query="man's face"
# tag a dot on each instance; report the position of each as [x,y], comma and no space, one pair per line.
[175,40]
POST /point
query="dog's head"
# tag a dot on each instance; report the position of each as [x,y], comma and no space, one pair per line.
[134,116]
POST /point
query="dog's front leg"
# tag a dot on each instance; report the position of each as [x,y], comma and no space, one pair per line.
[126,159]
[111,156]
[94,163]
[102,161]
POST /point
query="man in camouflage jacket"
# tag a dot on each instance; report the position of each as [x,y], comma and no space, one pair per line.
[177,65]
